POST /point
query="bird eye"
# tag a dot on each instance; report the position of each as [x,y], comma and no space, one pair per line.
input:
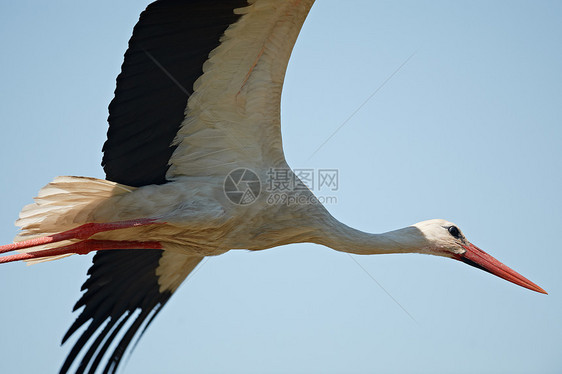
[454,230]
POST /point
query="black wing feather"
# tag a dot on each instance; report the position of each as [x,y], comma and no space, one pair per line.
[172,39]
[117,293]
[166,54]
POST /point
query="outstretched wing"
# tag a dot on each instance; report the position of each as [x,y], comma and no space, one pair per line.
[204,76]
[199,93]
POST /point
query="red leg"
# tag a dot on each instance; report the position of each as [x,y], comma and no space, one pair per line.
[81,232]
[82,248]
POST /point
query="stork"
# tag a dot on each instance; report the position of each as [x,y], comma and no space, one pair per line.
[194,131]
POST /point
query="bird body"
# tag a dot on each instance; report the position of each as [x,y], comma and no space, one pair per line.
[194,135]
[194,213]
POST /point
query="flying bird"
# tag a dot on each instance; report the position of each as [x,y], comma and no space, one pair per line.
[194,133]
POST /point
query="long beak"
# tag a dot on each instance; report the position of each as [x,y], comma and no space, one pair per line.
[476,257]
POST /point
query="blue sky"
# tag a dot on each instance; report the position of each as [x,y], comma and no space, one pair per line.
[468,130]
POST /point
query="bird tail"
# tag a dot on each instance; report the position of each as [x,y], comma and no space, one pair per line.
[63,204]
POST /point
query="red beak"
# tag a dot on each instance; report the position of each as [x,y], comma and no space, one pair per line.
[476,257]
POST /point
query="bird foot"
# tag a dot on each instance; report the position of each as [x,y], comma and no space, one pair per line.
[82,232]
[81,248]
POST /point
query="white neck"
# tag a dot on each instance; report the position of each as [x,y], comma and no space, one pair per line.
[340,237]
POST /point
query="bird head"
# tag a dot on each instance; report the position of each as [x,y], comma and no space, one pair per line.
[445,239]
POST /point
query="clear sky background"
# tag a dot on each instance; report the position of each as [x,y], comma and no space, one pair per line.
[468,130]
